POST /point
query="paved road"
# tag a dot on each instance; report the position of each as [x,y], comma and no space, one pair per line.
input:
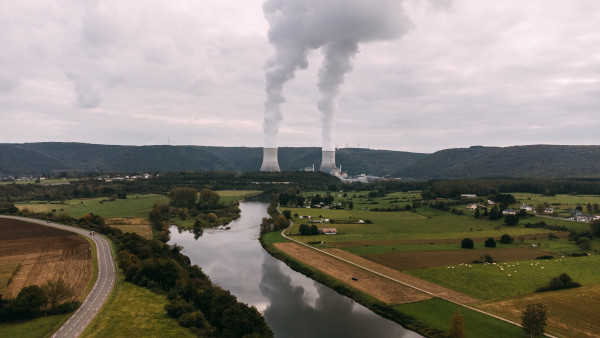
[94,301]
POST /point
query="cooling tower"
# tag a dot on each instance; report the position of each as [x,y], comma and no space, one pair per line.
[328,161]
[269,160]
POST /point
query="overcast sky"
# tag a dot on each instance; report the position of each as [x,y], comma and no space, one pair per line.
[467,72]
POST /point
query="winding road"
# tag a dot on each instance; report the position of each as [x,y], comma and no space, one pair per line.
[105,282]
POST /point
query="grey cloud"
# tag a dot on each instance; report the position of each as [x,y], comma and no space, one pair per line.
[86,94]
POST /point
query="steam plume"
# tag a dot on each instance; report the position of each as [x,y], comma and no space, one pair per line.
[338,26]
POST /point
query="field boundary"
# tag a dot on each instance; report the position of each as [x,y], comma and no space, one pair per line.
[403,283]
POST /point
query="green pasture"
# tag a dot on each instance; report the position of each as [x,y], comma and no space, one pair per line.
[492,281]
[137,205]
[35,328]
[361,200]
[426,223]
[383,249]
[44,182]
[560,203]
[438,313]
[135,311]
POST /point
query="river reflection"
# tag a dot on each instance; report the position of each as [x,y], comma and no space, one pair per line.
[292,304]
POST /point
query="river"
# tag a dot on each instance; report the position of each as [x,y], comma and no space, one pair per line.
[292,304]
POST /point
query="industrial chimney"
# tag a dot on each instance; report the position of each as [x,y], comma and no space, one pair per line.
[269,160]
[328,161]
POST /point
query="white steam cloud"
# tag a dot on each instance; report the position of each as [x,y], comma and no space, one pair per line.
[338,27]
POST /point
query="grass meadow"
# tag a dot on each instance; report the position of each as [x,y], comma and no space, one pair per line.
[35,328]
[134,311]
[426,223]
[489,282]
[438,313]
[134,206]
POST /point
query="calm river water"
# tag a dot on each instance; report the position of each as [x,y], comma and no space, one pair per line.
[292,304]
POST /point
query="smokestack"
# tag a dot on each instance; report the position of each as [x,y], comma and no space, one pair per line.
[328,161]
[269,160]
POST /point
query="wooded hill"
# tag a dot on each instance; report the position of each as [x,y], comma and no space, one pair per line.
[536,161]
[53,158]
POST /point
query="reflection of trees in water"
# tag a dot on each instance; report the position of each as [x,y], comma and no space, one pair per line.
[197,232]
[333,315]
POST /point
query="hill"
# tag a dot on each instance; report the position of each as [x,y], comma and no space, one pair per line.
[535,161]
[56,157]
[530,161]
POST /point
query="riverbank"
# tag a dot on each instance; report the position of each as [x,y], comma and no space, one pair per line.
[268,240]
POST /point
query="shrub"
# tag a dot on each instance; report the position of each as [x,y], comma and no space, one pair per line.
[506,239]
[578,254]
[563,281]
[545,257]
[490,243]
[467,243]
[511,220]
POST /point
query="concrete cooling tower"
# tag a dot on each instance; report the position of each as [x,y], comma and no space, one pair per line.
[328,161]
[269,160]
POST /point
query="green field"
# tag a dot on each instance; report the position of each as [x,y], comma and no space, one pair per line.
[35,328]
[133,206]
[426,223]
[134,311]
[45,182]
[499,281]
[438,313]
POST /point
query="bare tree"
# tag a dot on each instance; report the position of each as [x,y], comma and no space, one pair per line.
[57,291]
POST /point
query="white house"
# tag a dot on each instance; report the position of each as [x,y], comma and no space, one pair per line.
[509,212]
[526,207]
[548,211]
[472,206]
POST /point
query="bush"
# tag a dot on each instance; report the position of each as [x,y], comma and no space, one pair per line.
[578,254]
[511,220]
[545,257]
[490,243]
[506,239]
[563,281]
[467,243]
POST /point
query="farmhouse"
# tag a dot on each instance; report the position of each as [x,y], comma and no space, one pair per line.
[509,212]
[328,231]
[472,206]
[526,207]
[548,211]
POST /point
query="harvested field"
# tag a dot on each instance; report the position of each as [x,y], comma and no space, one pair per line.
[408,279]
[412,260]
[140,226]
[369,283]
[542,235]
[570,313]
[44,254]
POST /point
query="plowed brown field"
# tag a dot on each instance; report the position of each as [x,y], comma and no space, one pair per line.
[44,254]
[379,287]
[425,259]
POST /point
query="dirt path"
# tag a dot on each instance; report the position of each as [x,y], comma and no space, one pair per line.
[381,288]
[408,279]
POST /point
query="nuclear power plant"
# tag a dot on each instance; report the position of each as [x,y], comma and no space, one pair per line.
[328,161]
[270,162]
